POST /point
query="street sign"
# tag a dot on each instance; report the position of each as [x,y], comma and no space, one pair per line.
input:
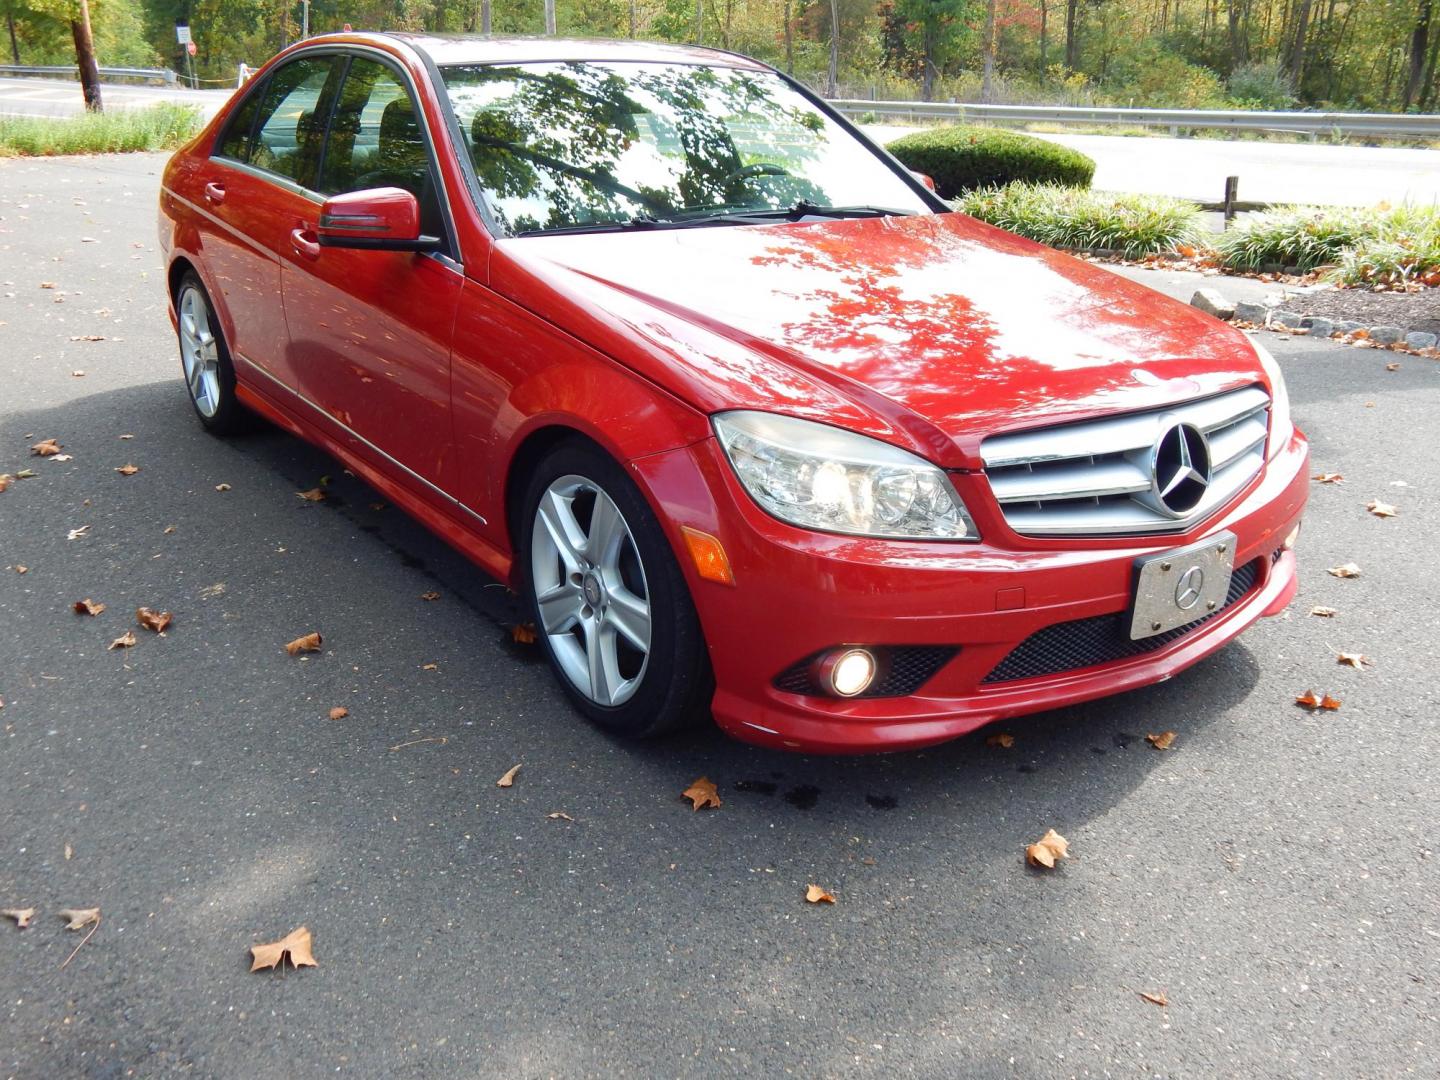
[182,34]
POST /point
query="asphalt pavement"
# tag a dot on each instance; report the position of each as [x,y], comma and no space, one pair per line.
[1272,877]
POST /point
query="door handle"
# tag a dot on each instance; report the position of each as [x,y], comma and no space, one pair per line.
[214,192]
[305,243]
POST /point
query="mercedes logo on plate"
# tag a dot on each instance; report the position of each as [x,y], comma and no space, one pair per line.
[1189,587]
[1181,473]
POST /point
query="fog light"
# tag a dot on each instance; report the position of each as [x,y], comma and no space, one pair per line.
[1289,544]
[847,672]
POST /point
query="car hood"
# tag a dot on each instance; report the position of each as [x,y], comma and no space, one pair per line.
[928,331]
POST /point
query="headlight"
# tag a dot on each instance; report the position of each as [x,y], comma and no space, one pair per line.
[1281,426]
[820,477]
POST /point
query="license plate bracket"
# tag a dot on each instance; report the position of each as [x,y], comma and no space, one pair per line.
[1178,587]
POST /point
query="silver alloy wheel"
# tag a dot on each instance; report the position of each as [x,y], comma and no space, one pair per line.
[590,589]
[199,353]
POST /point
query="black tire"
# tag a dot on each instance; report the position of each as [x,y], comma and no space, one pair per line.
[676,683]
[224,415]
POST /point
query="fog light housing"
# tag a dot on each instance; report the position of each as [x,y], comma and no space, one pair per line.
[1290,540]
[847,672]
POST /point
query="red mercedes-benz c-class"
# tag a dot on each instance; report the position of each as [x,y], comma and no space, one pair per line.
[754,424]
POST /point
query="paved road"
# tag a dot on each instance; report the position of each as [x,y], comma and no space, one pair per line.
[1268,171]
[1274,875]
[60,97]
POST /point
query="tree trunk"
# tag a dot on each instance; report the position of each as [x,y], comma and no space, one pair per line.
[987,77]
[699,22]
[725,30]
[85,57]
[485,16]
[832,81]
[1419,47]
[927,72]
[1044,26]
[1429,87]
[549,18]
[1072,42]
[632,18]
[1239,46]
[1297,48]
[789,42]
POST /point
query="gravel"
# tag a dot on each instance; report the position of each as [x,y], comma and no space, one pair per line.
[1417,311]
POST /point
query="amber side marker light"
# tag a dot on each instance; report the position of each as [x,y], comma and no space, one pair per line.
[711,562]
[1290,540]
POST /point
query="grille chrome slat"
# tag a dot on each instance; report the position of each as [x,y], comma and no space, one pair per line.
[1093,477]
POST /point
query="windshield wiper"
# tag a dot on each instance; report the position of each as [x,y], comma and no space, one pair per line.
[795,212]
[639,221]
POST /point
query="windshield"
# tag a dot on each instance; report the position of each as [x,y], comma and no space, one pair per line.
[567,145]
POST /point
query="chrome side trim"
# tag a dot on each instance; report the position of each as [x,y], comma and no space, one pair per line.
[250,365]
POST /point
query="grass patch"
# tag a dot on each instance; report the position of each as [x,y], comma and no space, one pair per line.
[1066,217]
[159,127]
[1362,247]
[964,157]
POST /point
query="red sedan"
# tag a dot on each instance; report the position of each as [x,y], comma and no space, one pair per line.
[756,427]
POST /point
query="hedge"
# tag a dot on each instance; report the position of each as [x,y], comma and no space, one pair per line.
[963,157]
[1067,217]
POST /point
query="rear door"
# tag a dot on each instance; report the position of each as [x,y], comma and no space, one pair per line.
[370,331]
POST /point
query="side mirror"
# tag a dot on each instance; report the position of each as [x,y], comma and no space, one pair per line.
[378,219]
[928,181]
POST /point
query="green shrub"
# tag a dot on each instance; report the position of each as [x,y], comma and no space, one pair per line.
[1262,84]
[159,127]
[1068,217]
[1363,247]
[962,158]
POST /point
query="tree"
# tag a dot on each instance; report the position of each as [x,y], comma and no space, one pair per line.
[987,52]
[1419,47]
[85,57]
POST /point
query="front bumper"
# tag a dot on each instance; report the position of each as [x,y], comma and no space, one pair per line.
[797,592]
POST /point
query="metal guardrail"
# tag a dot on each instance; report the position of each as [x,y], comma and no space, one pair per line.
[63,71]
[1413,125]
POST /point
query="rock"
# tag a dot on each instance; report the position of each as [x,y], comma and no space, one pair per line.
[1212,303]
[1348,326]
[1252,313]
[1419,340]
[1285,318]
[1318,327]
[1386,335]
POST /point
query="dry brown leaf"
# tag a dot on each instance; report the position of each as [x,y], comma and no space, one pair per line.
[816,895]
[168,529]
[222,487]
[307,643]
[508,779]
[296,944]
[69,853]
[77,374]
[701,793]
[47,284]
[1348,570]
[6,480]
[523,633]
[1045,851]
[127,470]
[22,916]
[45,448]
[124,641]
[313,495]
[339,712]
[1157,998]
[1002,741]
[87,607]
[153,620]
[1313,701]
[62,457]
[1162,741]
[1324,612]
[24,474]
[87,337]
[1381,509]
[21,569]
[80,917]
[76,534]
[1329,477]
[559,815]
[429,596]
[1392,367]
[429,667]
[1354,659]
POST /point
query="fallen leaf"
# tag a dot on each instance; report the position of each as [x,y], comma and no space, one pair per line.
[296,944]
[127,470]
[339,712]
[69,853]
[1329,477]
[76,534]
[47,284]
[441,739]
[429,667]
[1392,367]
[80,917]
[22,569]
[22,916]
[1354,659]
[77,374]
[24,474]
[1047,849]
[313,495]
[1313,701]
[1157,998]
[1002,741]
[1380,509]
[169,529]
[429,596]
[222,487]
[45,448]
[523,633]
[124,641]
[1348,570]
[127,436]
[87,337]
[87,607]
[701,793]
[6,480]
[816,895]
[559,815]
[508,779]
[1162,741]
[61,457]
[308,643]
[1324,612]
[153,620]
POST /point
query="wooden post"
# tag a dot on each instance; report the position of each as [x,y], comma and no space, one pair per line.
[14,45]
[1232,194]
[85,58]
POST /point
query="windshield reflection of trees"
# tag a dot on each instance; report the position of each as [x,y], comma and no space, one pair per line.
[563,145]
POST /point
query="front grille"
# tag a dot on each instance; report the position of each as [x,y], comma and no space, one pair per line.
[1095,477]
[1102,639]
[906,668]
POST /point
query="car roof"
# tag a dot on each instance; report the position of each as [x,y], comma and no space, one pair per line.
[476,49]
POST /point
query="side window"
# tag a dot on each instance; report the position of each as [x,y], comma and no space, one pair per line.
[292,120]
[235,143]
[376,141]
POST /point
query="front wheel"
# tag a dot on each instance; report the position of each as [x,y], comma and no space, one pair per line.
[610,604]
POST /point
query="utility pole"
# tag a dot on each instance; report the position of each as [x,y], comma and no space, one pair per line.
[988,52]
[549,18]
[699,22]
[485,16]
[832,81]
[85,57]
[304,19]
[632,19]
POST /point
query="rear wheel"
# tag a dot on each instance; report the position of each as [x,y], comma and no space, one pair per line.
[205,360]
[610,605]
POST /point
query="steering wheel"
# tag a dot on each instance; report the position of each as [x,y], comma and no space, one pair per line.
[760,168]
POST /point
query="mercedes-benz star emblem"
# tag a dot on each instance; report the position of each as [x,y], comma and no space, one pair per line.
[1182,468]
[1189,587]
